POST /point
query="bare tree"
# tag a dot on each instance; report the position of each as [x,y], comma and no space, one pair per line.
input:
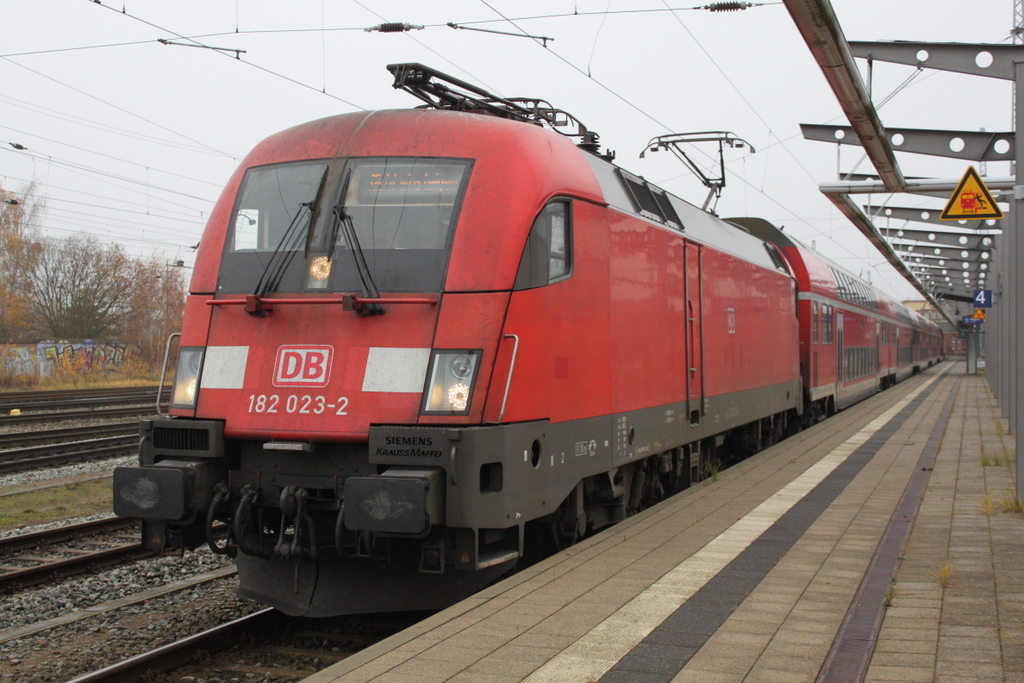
[19,212]
[157,306]
[81,289]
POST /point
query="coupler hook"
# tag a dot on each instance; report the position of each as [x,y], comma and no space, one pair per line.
[230,547]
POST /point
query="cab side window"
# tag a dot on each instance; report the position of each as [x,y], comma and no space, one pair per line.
[548,254]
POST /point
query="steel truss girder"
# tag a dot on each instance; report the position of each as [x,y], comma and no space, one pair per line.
[951,261]
[956,296]
[945,239]
[903,242]
[864,224]
[950,294]
[817,23]
[960,58]
[956,274]
[992,227]
[977,146]
[923,186]
[952,265]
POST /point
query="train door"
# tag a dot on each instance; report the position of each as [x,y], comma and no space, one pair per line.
[694,295]
[840,353]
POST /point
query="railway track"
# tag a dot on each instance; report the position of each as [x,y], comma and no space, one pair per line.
[18,459]
[41,556]
[34,418]
[265,645]
[34,407]
[40,437]
[74,398]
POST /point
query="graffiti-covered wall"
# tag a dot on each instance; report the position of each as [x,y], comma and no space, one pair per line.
[45,358]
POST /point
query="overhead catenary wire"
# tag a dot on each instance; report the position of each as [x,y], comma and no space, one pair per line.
[112,105]
[427,47]
[80,167]
[497,43]
[166,213]
[113,130]
[190,178]
[243,61]
[462,24]
[650,116]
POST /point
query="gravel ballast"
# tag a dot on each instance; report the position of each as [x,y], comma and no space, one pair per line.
[73,649]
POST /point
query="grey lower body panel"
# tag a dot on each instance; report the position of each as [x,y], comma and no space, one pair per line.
[856,393]
[541,462]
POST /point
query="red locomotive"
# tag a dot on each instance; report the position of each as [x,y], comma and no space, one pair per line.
[420,346]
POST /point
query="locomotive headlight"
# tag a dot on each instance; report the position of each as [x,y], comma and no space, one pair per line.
[458,396]
[462,367]
[450,382]
[186,379]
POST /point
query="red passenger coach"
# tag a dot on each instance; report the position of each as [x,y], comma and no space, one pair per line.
[855,340]
[421,347]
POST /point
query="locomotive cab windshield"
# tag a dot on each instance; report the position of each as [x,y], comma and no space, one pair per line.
[402,212]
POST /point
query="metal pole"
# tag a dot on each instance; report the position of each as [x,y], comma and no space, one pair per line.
[1015,256]
[997,376]
[972,353]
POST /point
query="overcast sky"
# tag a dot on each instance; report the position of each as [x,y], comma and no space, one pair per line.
[131,140]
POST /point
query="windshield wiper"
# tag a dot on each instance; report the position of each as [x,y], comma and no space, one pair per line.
[343,220]
[312,217]
[282,257]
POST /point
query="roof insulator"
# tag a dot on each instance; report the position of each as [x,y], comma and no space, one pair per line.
[392,27]
[728,6]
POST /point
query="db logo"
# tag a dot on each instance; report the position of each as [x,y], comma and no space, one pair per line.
[301,365]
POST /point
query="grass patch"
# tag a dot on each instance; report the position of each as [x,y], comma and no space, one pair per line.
[712,468]
[987,461]
[988,503]
[890,594]
[1011,503]
[73,374]
[944,574]
[98,381]
[57,502]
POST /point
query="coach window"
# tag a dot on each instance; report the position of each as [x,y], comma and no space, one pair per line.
[548,254]
[814,321]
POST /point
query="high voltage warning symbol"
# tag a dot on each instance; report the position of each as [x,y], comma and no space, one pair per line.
[971,200]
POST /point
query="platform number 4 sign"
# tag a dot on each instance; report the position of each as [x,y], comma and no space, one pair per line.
[983,298]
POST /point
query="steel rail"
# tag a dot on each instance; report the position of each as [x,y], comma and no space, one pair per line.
[179,653]
[66,434]
[6,420]
[63,533]
[68,566]
[58,399]
[40,456]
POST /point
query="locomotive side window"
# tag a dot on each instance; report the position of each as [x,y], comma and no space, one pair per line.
[548,254]
[649,201]
[776,257]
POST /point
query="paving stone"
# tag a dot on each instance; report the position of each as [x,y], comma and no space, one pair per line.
[780,625]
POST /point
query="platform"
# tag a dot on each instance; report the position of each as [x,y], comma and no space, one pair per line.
[779,570]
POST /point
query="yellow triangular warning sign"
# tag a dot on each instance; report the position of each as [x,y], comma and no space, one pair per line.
[971,200]
[979,314]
